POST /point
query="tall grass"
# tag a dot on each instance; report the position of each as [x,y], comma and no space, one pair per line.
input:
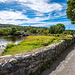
[31,43]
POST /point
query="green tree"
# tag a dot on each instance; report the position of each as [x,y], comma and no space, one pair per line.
[52,29]
[2,32]
[40,31]
[7,31]
[60,28]
[33,30]
[18,33]
[71,10]
[13,30]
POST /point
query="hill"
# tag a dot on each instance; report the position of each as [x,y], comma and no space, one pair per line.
[7,25]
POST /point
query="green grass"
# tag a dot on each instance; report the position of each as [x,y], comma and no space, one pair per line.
[31,43]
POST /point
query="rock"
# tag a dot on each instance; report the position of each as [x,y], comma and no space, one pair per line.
[0,66]
[27,56]
[13,60]
[19,58]
[7,65]
[6,56]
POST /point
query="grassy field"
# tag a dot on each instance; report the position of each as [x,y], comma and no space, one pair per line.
[33,42]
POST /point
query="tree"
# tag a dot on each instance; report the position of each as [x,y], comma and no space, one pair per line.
[33,30]
[13,30]
[52,29]
[18,33]
[60,28]
[40,31]
[2,32]
[7,31]
[71,10]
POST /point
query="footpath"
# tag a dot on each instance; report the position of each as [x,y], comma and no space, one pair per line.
[65,65]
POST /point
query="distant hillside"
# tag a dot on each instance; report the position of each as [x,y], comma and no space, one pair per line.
[10,25]
[6,25]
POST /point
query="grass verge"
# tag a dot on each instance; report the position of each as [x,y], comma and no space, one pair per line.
[31,43]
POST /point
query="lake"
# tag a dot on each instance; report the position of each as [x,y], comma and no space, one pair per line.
[4,40]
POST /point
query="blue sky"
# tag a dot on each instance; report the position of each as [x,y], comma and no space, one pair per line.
[43,13]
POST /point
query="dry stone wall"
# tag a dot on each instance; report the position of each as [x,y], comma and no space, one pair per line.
[27,62]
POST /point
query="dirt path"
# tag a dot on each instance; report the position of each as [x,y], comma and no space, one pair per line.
[65,65]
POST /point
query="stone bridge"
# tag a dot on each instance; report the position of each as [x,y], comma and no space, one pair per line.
[65,65]
[31,61]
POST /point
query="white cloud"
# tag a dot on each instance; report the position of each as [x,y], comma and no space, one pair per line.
[52,23]
[57,15]
[14,22]
[42,6]
[22,22]
[3,0]
[12,15]
[37,19]
[64,6]
[38,5]
[12,0]
[39,14]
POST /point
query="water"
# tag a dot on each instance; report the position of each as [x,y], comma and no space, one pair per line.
[4,40]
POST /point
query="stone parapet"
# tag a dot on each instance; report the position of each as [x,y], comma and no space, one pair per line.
[31,61]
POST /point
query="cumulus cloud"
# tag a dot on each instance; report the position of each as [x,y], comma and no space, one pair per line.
[38,19]
[39,14]
[14,22]
[35,21]
[52,23]
[38,5]
[12,15]
[57,15]
[40,8]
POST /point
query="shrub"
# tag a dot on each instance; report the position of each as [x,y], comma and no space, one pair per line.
[9,46]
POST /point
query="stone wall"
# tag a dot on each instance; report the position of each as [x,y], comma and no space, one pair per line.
[27,62]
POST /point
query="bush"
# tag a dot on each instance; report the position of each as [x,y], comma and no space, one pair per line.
[9,46]
[18,33]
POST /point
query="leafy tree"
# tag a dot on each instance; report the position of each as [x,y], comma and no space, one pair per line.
[13,30]
[45,32]
[33,30]
[40,31]
[71,32]
[52,29]
[7,31]
[2,32]
[71,10]
[60,28]
[18,33]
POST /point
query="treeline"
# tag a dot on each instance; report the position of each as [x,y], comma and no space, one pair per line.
[69,32]
[16,30]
